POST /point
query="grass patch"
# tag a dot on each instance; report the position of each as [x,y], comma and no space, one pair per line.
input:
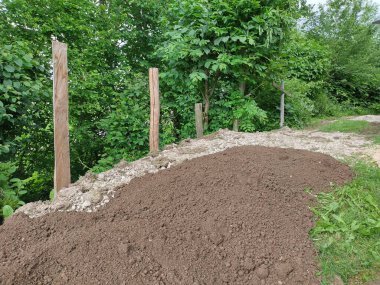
[347,231]
[370,130]
[345,126]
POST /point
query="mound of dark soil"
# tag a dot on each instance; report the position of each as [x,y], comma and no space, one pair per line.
[236,217]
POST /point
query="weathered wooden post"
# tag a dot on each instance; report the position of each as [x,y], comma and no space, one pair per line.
[282,105]
[199,119]
[235,126]
[154,110]
[62,175]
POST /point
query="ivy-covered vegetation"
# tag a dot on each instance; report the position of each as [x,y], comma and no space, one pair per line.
[225,54]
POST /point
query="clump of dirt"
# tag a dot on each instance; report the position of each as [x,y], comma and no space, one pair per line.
[236,217]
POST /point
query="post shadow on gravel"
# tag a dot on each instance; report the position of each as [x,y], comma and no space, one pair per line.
[236,217]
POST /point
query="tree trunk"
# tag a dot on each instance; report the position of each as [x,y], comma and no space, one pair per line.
[242,88]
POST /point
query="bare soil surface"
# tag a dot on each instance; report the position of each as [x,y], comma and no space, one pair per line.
[235,217]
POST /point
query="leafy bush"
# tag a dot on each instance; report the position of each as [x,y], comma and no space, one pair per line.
[37,187]
[246,111]
[299,107]
[324,105]
[375,108]
[11,190]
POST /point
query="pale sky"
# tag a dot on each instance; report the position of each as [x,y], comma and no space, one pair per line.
[317,2]
[324,1]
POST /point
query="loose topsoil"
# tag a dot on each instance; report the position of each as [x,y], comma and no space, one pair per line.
[236,217]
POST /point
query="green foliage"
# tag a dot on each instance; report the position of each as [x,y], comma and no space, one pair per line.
[11,190]
[125,129]
[246,111]
[346,126]
[209,42]
[249,116]
[51,195]
[20,89]
[299,108]
[7,211]
[346,28]
[106,40]
[303,58]
[374,108]
[37,187]
[347,232]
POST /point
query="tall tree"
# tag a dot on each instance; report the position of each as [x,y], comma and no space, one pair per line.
[209,39]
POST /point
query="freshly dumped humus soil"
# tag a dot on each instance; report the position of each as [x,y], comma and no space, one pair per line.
[236,217]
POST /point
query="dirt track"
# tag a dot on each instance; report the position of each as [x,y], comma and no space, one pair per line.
[236,217]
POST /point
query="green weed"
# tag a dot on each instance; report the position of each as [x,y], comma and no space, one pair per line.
[347,231]
[376,139]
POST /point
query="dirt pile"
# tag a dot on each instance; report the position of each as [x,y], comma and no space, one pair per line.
[236,217]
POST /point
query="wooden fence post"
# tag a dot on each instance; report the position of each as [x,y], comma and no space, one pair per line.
[154,110]
[235,126]
[199,119]
[62,175]
[282,105]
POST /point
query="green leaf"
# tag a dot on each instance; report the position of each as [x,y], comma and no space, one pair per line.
[7,82]
[9,68]
[18,62]
[22,192]
[51,195]
[7,211]
[16,84]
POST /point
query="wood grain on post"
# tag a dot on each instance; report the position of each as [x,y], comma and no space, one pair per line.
[282,106]
[154,110]
[62,174]
[199,119]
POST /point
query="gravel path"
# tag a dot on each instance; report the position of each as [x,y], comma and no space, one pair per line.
[368,118]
